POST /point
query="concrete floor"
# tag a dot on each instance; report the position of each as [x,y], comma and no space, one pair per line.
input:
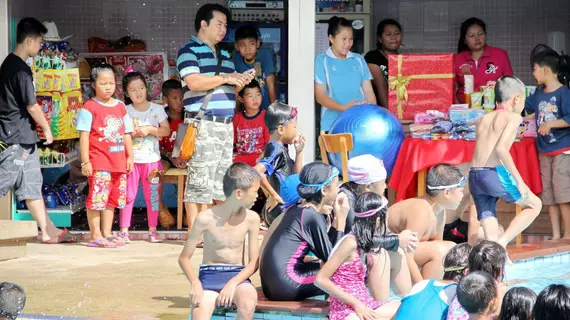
[138,281]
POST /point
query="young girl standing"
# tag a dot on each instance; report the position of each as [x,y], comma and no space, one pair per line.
[358,261]
[150,121]
[106,155]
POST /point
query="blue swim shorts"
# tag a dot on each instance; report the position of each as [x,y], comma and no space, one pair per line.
[215,277]
[488,185]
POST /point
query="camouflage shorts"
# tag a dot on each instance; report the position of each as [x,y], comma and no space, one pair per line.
[207,167]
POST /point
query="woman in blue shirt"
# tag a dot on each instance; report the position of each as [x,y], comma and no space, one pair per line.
[342,78]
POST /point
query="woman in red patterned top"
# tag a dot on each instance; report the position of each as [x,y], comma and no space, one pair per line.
[250,132]
[106,155]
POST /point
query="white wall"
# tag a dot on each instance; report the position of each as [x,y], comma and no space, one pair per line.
[4,29]
[301,69]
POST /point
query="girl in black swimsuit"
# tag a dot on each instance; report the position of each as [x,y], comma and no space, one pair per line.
[304,228]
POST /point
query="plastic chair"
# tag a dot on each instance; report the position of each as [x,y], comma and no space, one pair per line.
[342,143]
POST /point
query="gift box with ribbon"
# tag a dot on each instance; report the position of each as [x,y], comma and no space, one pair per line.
[419,82]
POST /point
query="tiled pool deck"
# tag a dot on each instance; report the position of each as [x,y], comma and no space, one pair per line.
[537,264]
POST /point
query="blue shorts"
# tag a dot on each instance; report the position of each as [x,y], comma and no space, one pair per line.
[487,185]
[215,277]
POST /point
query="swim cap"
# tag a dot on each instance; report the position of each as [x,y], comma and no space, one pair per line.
[288,191]
[366,169]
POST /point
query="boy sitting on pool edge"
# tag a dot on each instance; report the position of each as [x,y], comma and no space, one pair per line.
[222,277]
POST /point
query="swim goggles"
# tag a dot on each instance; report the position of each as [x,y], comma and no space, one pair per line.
[455,268]
[372,212]
[319,186]
[292,116]
[461,183]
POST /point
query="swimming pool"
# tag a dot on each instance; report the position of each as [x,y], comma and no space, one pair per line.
[539,272]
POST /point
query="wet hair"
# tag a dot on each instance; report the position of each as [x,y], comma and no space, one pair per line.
[206,13]
[276,115]
[336,24]
[29,27]
[462,44]
[553,302]
[476,291]
[170,85]
[506,87]
[247,32]
[313,173]
[12,300]
[239,176]
[382,25]
[368,234]
[517,304]
[130,77]
[488,256]
[240,107]
[442,175]
[456,260]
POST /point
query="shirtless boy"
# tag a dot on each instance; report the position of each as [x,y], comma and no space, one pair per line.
[494,174]
[426,216]
[223,279]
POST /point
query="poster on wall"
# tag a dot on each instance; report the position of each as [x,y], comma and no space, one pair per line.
[153,65]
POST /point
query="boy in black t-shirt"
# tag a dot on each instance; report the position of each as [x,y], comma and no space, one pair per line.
[19,114]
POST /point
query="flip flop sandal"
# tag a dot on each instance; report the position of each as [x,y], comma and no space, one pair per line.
[101,243]
[117,241]
[125,237]
[63,237]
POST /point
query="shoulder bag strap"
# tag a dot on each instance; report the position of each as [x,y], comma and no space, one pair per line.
[209,94]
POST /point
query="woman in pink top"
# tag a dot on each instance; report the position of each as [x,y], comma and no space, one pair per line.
[475,57]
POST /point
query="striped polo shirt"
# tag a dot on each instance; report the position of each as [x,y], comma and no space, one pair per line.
[196,57]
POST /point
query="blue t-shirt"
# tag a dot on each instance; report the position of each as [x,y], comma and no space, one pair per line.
[551,106]
[343,80]
[264,65]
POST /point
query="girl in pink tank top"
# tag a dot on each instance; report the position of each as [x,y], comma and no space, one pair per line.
[357,261]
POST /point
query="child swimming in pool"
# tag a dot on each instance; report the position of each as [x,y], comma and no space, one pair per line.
[223,278]
[430,299]
[477,293]
[553,303]
[517,304]
[486,256]
[358,261]
[493,174]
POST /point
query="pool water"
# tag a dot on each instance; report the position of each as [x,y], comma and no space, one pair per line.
[538,273]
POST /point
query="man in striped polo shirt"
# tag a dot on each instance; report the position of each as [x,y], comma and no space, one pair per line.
[197,63]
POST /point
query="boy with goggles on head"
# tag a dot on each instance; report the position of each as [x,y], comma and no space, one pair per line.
[276,165]
[426,216]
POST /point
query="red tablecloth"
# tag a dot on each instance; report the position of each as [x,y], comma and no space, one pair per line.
[418,154]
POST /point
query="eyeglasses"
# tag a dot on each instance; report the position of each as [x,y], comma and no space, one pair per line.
[461,183]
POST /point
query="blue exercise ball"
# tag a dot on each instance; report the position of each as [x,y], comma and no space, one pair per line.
[375,131]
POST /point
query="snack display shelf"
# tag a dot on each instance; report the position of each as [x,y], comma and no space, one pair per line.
[69,158]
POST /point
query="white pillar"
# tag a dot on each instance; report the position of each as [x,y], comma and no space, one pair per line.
[4,29]
[301,64]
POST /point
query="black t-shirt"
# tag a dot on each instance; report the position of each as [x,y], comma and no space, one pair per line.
[16,92]
[277,163]
[377,58]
